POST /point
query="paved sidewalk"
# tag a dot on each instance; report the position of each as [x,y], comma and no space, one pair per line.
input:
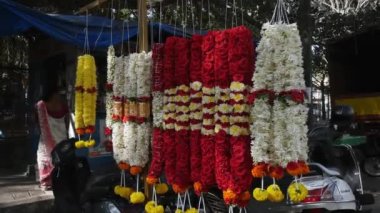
[19,193]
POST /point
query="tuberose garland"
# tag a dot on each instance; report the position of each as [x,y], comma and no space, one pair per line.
[109,87]
[280,130]
[119,149]
[137,127]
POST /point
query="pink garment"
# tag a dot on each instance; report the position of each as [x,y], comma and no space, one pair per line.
[53,131]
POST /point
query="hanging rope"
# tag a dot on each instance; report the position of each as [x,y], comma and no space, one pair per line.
[138,32]
[225,15]
[101,30]
[175,18]
[242,12]
[279,14]
[183,19]
[209,14]
[151,23]
[86,48]
[192,15]
[122,33]
[200,22]
[128,41]
[234,14]
[159,28]
[112,17]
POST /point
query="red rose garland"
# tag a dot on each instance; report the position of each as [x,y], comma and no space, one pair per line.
[169,109]
[222,145]
[181,75]
[196,110]
[208,102]
[240,59]
[157,163]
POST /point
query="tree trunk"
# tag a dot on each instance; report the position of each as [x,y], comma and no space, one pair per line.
[323,88]
[305,26]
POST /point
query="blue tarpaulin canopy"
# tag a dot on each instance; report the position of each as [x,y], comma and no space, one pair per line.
[16,18]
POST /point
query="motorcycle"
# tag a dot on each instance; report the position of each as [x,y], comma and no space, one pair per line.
[334,182]
[366,145]
[78,189]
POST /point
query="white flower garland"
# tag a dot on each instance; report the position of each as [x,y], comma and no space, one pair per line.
[130,134]
[139,81]
[125,76]
[261,130]
[144,75]
[110,79]
[118,142]
[130,139]
[280,130]
[119,151]
[118,85]
[157,109]
[110,64]
[131,78]
[144,132]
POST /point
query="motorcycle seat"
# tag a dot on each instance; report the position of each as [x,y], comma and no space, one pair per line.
[97,186]
[327,171]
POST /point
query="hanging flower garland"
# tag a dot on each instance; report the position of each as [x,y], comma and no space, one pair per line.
[140,156]
[79,123]
[222,116]
[290,103]
[86,94]
[130,108]
[195,109]
[169,109]
[208,111]
[182,125]
[240,60]
[109,88]
[279,125]
[157,163]
[138,127]
[119,152]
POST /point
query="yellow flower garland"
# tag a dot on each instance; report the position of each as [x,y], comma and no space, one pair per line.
[79,124]
[274,193]
[297,192]
[89,95]
[85,99]
[260,194]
